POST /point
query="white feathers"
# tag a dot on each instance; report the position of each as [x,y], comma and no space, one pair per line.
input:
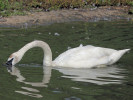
[80,57]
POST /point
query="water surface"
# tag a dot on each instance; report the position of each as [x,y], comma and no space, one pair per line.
[30,80]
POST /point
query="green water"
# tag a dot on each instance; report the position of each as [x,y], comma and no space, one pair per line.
[31,82]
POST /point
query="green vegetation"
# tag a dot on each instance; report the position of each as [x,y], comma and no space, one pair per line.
[4,4]
[131,9]
[18,7]
[131,3]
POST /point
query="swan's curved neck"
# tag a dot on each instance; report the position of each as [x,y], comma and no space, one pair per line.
[47,61]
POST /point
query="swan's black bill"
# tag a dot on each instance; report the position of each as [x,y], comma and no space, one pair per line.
[9,65]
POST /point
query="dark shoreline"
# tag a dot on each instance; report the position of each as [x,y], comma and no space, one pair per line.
[60,16]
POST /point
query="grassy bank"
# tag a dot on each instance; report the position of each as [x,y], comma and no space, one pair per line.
[19,7]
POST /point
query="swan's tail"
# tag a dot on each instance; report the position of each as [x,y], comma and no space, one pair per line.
[117,55]
[125,50]
[122,52]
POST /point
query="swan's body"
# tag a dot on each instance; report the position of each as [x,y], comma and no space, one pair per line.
[88,56]
[79,57]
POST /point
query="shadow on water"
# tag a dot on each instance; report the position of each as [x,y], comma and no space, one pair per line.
[32,82]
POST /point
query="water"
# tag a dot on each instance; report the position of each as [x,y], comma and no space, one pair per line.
[29,80]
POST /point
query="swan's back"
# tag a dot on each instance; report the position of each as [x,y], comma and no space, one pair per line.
[85,56]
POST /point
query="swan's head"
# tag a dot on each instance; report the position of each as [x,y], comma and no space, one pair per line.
[12,60]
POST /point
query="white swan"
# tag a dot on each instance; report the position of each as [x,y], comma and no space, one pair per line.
[80,57]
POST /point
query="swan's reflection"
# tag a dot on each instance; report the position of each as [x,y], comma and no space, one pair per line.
[100,76]
[107,75]
[21,78]
[45,80]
